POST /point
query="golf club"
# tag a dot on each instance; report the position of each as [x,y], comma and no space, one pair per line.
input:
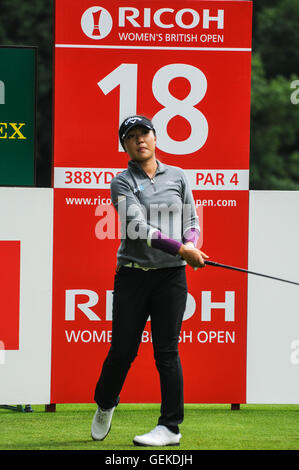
[220,265]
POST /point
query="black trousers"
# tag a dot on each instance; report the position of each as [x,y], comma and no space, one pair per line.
[162,294]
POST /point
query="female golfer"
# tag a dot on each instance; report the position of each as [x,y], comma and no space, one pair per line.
[159,233]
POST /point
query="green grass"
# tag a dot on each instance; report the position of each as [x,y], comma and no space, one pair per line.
[206,427]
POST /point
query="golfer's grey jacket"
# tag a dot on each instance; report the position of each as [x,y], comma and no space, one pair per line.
[145,206]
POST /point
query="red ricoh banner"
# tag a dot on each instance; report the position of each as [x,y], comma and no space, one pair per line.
[186,65]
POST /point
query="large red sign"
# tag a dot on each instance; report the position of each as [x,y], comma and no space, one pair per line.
[186,65]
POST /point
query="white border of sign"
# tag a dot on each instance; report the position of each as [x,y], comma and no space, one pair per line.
[273,314]
[27,215]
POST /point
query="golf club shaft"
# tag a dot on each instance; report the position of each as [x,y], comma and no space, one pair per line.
[234,268]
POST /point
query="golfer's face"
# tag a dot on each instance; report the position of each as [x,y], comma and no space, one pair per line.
[140,143]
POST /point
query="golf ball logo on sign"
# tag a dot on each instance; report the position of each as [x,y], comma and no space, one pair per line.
[96,22]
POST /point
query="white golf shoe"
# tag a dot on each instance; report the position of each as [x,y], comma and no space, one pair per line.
[101,423]
[159,436]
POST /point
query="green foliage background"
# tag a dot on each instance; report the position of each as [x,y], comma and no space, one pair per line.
[274,148]
[274,119]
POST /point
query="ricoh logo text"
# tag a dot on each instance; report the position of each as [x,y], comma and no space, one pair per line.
[97,22]
[84,301]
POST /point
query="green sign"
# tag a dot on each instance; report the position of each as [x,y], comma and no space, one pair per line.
[17,115]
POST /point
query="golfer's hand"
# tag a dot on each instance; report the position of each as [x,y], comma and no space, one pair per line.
[194,257]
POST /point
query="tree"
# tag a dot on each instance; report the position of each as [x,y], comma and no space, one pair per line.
[277,37]
[274,131]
